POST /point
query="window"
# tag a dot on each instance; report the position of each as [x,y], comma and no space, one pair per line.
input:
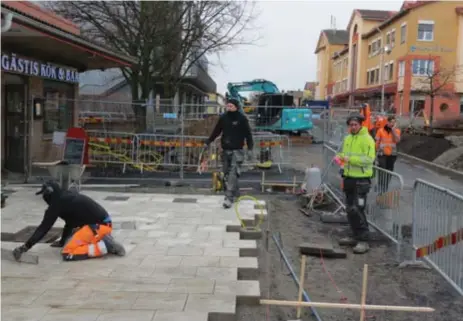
[376,75]
[368,77]
[58,106]
[401,69]
[403,33]
[388,39]
[386,72]
[391,71]
[393,38]
[369,50]
[425,30]
[423,67]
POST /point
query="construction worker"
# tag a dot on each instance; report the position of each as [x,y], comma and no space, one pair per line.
[358,155]
[87,230]
[380,121]
[235,129]
[387,139]
[365,111]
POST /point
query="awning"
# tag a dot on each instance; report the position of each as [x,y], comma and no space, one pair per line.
[35,39]
[388,89]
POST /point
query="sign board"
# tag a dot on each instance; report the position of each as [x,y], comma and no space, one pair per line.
[59,138]
[169,115]
[31,67]
[435,48]
[76,146]
[74,151]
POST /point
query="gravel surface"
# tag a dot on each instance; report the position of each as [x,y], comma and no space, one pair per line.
[331,280]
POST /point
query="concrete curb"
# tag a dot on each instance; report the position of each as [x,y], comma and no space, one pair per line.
[435,167]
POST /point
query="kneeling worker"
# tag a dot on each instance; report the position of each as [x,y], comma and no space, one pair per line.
[87,229]
[358,156]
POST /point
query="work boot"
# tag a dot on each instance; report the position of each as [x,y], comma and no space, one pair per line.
[227,203]
[347,241]
[113,246]
[361,248]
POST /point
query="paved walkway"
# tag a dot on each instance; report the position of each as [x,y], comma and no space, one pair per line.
[181,264]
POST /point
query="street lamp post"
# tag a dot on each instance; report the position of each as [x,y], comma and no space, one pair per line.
[383,50]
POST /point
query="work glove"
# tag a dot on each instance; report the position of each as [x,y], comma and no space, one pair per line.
[17,252]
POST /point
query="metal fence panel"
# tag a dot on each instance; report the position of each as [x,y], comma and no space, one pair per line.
[438,230]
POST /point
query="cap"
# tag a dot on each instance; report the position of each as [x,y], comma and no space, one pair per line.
[48,187]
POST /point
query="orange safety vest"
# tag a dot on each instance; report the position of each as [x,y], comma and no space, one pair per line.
[385,143]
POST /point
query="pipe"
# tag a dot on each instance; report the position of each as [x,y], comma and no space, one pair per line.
[7,22]
[381,69]
[294,276]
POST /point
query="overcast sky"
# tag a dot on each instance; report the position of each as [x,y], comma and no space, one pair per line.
[289,31]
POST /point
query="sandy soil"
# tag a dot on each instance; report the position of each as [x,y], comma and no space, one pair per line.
[424,147]
[331,280]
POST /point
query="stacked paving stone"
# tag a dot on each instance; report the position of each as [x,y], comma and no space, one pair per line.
[181,263]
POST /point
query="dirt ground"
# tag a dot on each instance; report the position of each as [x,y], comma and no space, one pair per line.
[424,147]
[331,280]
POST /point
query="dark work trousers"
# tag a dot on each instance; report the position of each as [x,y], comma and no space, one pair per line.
[356,190]
[232,160]
[386,162]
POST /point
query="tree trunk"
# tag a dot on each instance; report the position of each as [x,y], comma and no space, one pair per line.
[431,116]
[138,109]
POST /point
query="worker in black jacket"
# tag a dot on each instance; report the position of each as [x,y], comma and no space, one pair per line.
[87,229]
[235,130]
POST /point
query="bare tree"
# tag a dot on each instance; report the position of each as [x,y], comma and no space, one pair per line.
[168,38]
[434,81]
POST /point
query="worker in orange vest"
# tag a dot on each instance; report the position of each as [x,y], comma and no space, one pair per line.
[387,139]
[380,121]
[365,111]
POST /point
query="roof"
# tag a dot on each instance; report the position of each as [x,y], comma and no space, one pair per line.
[336,37]
[97,82]
[395,17]
[380,15]
[372,15]
[77,41]
[338,54]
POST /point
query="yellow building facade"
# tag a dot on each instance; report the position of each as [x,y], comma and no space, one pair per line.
[418,51]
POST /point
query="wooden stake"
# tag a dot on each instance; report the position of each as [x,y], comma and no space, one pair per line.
[364,291]
[346,306]
[301,285]
[294,184]
[263,181]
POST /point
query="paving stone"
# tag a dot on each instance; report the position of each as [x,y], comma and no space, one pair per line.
[161,261]
[23,313]
[126,315]
[206,261]
[212,228]
[111,300]
[62,298]
[218,303]
[247,292]
[174,302]
[77,314]
[193,285]
[184,200]
[221,251]
[181,316]
[185,250]
[239,262]
[217,273]
[176,272]
[20,298]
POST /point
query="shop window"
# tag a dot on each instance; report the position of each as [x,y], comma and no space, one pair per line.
[423,67]
[58,107]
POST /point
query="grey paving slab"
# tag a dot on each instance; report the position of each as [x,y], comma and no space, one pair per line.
[180,265]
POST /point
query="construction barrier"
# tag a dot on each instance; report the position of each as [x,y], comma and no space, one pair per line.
[158,152]
[437,229]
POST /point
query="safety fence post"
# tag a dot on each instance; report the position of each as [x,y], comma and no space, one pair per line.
[182,140]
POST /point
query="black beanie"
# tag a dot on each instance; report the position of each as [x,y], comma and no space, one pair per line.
[234,101]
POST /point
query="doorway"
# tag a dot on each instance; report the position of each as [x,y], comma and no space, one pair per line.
[15,124]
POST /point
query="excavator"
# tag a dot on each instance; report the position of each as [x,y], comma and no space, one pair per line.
[273,110]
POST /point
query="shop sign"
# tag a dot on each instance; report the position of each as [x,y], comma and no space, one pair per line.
[31,67]
[435,48]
